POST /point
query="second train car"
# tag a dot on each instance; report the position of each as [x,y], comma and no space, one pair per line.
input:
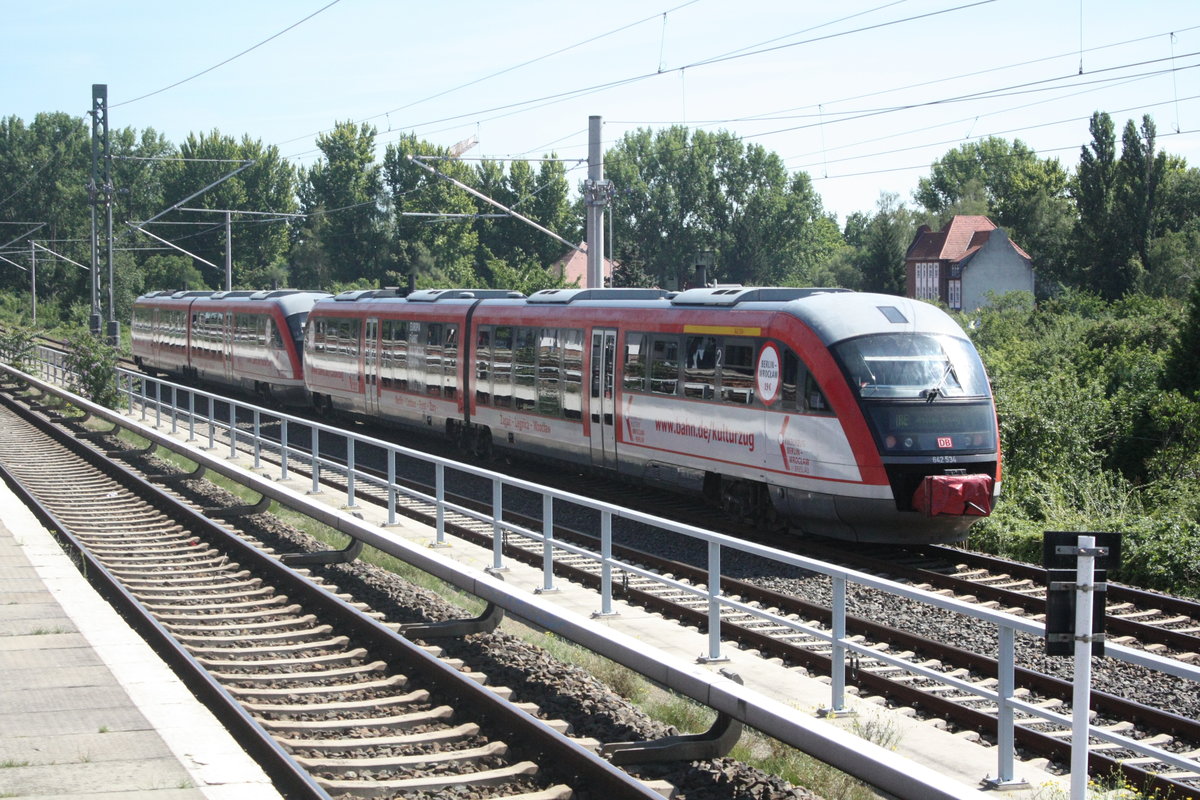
[852,415]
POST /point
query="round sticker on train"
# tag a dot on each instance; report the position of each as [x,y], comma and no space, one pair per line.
[767,374]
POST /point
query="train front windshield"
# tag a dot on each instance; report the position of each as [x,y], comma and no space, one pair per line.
[922,393]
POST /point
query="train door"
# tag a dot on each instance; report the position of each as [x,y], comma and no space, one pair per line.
[370,366]
[602,407]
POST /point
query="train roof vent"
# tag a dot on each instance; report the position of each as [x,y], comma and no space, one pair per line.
[354,294]
[732,295]
[193,293]
[268,294]
[231,294]
[893,314]
[433,295]
[574,295]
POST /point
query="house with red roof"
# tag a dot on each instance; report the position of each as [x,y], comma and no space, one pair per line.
[958,265]
[572,268]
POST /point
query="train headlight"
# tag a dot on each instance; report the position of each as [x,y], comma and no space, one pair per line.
[908,442]
[890,442]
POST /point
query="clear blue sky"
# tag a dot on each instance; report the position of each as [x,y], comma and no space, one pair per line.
[862,95]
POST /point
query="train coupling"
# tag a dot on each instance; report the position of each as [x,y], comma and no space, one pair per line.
[955,495]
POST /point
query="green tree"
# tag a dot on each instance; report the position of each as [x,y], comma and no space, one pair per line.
[1139,175]
[1100,252]
[680,193]
[345,187]
[886,241]
[426,245]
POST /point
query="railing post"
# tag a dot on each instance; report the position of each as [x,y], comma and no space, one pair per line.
[1005,732]
[837,702]
[283,450]
[174,409]
[143,399]
[391,473]
[439,490]
[606,604]
[714,603]
[212,423]
[157,404]
[497,530]
[547,544]
[232,431]
[316,460]
[257,439]
[349,472]
[191,416]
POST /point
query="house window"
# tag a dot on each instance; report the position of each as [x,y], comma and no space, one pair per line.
[927,280]
[954,290]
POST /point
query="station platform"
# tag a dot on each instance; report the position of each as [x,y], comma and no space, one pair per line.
[87,709]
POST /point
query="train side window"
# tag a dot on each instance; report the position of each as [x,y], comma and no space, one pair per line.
[549,373]
[572,385]
[525,369]
[737,371]
[502,366]
[634,374]
[700,370]
[418,335]
[387,354]
[450,363]
[664,365]
[433,358]
[483,366]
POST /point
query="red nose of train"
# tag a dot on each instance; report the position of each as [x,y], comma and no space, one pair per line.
[955,495]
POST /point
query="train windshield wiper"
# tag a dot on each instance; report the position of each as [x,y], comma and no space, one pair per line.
[932,393]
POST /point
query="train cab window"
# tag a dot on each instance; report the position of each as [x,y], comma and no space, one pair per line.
[572,374]
[502,366]
[483,366]
[272,335]
[634,372]
[525,369]
[814,398]
[737,371]
[549,373]
[791,370]
[664,365]
[700,370]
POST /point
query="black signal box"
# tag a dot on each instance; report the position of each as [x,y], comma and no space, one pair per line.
[1059,556]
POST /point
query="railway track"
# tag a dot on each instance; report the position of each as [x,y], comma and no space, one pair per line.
[340,699]
[962,710]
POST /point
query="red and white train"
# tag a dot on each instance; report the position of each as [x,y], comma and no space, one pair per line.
[244,340]
[857,416]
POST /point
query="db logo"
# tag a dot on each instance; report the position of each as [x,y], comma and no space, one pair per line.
[944,441]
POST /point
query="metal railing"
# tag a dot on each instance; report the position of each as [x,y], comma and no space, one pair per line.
[159,399]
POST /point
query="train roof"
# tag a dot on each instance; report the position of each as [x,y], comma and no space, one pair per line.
[834,317]
[290,301]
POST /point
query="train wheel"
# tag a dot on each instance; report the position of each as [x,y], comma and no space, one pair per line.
[748,501]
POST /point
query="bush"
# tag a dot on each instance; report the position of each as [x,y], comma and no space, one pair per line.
[93,369]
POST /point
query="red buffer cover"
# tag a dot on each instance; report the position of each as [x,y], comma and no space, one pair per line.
[957,495]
